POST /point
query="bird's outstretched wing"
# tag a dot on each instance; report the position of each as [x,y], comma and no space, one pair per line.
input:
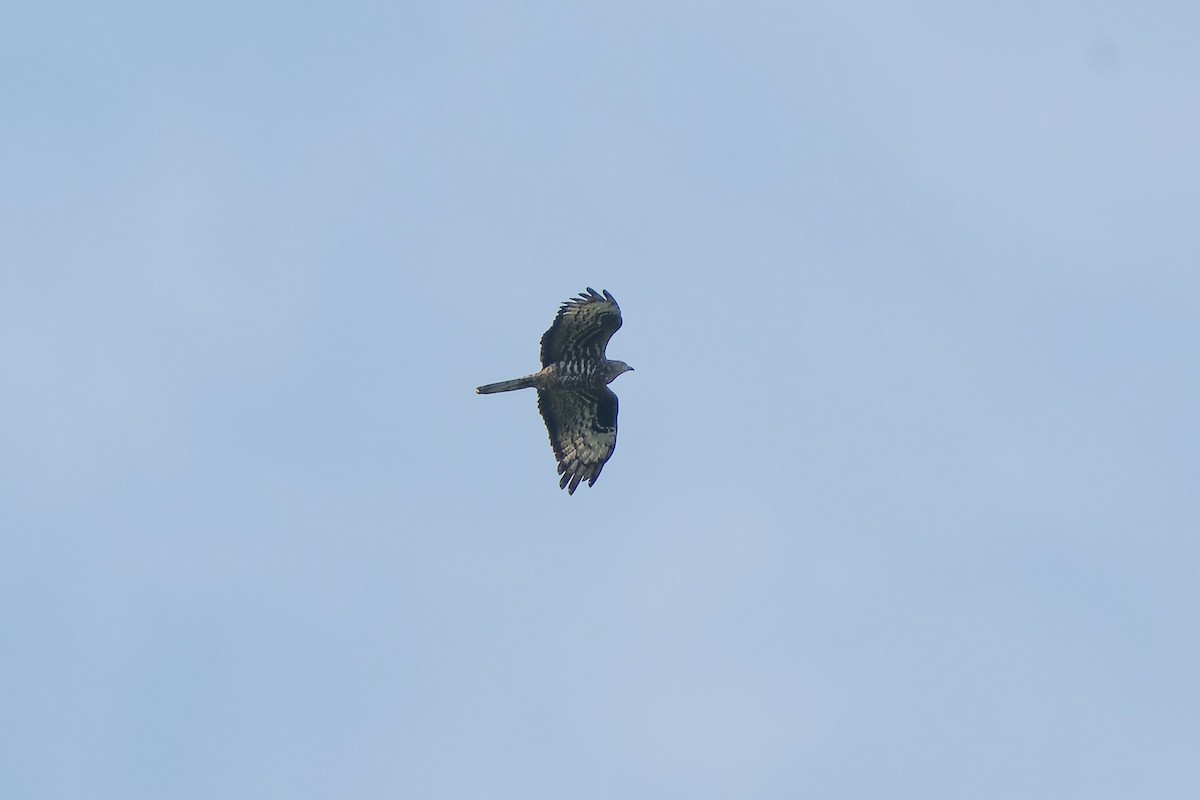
[582,328]
[583,431]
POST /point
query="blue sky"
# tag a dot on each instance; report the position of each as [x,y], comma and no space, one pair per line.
[904,503]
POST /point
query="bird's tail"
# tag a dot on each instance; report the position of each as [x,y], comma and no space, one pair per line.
[506,386]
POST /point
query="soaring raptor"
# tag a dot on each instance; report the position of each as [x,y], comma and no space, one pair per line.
[573,395]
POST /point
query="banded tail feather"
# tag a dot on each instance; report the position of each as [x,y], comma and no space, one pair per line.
[506,386]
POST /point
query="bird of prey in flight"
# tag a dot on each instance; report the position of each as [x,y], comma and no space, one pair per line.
[573,395]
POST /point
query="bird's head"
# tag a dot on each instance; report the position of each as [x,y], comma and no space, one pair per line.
[616,368]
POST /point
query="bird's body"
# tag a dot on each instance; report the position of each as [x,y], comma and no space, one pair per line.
[579,409]
[563,375]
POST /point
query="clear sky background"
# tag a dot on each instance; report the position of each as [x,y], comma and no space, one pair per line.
[905,499]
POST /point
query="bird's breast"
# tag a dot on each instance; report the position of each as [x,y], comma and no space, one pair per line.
[575,373]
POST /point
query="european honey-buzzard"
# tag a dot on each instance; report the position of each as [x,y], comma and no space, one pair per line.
[573,395]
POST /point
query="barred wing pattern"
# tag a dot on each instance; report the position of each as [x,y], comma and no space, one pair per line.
[583,431]
[581,329]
